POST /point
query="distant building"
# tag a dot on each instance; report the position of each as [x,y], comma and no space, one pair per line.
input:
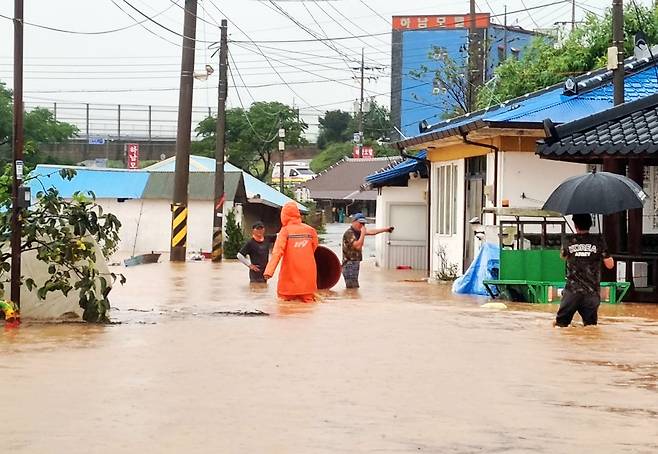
[338,189]
[414,98]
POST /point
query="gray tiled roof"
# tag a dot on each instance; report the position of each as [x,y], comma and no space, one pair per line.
[625,130]
[344,179]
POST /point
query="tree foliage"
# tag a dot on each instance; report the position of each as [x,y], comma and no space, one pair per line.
[234,236]
[542,64]
[64,233]
[334,127]
[40,126]
[252,135]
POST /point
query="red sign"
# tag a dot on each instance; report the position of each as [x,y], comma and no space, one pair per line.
[438,22]
[132,156]
[366,152]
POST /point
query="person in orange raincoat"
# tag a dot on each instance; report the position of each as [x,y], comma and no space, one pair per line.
[295,244]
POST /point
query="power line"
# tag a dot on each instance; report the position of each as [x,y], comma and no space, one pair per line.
[100,32]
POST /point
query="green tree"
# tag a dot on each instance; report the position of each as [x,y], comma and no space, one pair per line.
[252,135]
[542,64]
[334,127]
[377,124]
[40,126]
[234,236]
[63,232]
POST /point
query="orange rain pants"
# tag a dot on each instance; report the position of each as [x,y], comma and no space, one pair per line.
[295,245]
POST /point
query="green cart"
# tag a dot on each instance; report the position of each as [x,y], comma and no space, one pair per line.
[531,269]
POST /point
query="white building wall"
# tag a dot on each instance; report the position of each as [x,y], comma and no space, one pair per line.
[415,192]
[526,180]
[155,224]
[452,245]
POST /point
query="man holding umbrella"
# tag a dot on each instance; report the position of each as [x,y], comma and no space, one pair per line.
[584,253]
[598,193]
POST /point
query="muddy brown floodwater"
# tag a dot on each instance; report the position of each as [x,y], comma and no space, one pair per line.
[398,366]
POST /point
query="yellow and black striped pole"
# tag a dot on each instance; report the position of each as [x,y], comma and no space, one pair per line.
[178,228]
[183,137]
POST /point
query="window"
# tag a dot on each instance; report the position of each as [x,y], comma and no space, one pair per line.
[446,187]
[293,173]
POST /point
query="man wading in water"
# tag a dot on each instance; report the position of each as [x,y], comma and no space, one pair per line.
[584,253]
[258,251]
[353,240]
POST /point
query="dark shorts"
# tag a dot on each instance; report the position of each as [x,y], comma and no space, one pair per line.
[351,273]
[587,305]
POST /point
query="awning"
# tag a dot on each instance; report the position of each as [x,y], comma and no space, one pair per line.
[398,171]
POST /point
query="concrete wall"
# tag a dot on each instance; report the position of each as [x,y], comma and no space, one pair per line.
[414,193]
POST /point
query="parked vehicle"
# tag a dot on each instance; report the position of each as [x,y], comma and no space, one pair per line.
[293,172]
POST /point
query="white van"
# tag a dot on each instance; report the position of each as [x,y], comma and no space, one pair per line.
[293,172]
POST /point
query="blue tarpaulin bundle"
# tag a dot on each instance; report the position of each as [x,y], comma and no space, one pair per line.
[485,266]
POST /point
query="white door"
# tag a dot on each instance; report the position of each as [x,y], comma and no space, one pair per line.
[407,245]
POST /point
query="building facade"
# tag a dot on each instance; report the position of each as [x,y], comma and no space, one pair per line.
[416,95]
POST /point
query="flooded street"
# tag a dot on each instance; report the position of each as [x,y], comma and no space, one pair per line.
[398,366]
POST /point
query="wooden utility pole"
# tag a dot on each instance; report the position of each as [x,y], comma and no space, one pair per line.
[220,135]
[618,42]
[573,15]
[612,224]
[473,56]
[183,137]
[17,151]
[505,34]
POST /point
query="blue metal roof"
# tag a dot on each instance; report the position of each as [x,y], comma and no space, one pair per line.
[105,183]
[561,108]
[399,170]
[552,103]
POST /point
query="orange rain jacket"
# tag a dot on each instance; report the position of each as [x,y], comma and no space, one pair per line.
[296,244]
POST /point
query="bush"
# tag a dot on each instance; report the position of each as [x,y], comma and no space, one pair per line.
[234,237]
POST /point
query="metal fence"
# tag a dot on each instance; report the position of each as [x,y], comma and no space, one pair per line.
[117,121]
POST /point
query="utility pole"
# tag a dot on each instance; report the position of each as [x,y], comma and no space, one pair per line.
[573,15]
[473,56]
[618,42]
[220,134]
[282,148]
[612,223]
[360,120]
[183,137]
[505,34]
[17,142]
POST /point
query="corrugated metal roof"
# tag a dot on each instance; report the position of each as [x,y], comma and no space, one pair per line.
[201,186]
[401,170]
[253,186]
[105,183]
[197,164]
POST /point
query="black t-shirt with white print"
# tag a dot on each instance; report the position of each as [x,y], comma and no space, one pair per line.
[584,253]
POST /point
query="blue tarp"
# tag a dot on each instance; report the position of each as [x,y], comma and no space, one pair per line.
[485,266]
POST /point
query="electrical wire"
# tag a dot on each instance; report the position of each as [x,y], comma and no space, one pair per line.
[263,54]
[99,32]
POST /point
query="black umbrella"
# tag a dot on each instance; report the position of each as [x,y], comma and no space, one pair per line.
[596,193]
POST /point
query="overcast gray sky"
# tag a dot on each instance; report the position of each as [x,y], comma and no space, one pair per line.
[135,66]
